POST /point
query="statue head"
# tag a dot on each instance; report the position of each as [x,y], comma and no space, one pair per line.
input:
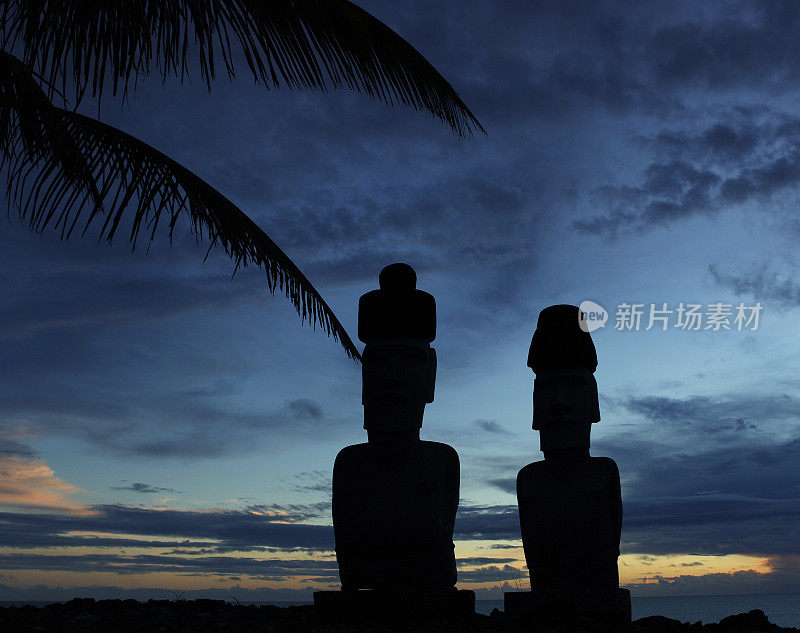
[565,400]
[398,367]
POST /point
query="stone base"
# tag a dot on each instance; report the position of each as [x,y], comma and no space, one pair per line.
[387,605]
[609,605]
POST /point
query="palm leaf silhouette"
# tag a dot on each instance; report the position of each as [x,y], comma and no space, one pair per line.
[34,137]
[66,170]
[126,173]
[291,43]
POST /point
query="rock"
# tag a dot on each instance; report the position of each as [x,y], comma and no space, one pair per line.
[754,621]
[658,624]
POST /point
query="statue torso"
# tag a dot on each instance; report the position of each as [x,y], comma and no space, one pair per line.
[570,520]
[394,511]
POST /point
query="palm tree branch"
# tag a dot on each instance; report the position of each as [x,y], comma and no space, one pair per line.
[34,137]
[138,182]
[298,44]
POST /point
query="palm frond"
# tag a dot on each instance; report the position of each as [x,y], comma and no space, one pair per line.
[33,136]
[292,43]
[133,181]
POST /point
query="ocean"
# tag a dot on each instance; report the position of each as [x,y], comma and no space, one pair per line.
[781,609]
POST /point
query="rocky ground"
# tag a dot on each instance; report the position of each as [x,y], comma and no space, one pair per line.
[212,616]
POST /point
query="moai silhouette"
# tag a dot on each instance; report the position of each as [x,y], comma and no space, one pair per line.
[570,505]
[395,497]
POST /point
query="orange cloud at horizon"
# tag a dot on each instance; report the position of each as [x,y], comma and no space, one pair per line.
[32,484]
[642,569]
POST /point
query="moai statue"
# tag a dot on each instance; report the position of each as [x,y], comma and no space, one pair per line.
[570,505]
[395,497]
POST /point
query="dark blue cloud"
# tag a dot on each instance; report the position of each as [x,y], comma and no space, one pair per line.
[497,522]
[102,420]
[493,573]
[506,484]
[729,488]
[717,416]
[760,283]
[747,156]
[277,527]
[303,408]
[266,569]
[315,481]
[464,562]
[144,488]
[491,426]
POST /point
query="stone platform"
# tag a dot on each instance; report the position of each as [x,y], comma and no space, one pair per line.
[608,604]
[386,604]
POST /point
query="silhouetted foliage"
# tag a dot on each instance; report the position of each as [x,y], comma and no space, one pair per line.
[66,170]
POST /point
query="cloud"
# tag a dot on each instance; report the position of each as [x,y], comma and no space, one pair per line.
[261,526]
[464,562]
[315,481]
[260,568]
[456,221]
[506,484]
[88,287]
[762,284]
[709,523]
[144,488]
[32,485]
[753,46]
[730,583]
[266,569]
[133,426]
[768,178]
[11,443]
[670,192]
[494,522]
[728,143]
[613,57]
[294,513]
[737,499]
[304,409]
[707,503]
[723,416]
[492,573]
[702,477]
[491,426]
[205,538]
[709,474]
[731,162]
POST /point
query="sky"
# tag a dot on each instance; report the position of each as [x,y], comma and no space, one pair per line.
[167,430]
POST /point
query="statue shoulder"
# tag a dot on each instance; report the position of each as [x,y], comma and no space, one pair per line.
[605,466]
[528,476]
[349,453]
[533,469]
[440,451]
[603,474]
